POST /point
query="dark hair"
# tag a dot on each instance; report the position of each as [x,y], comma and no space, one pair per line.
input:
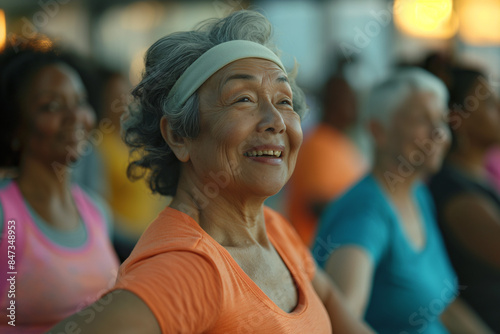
[19,62]
[461,82]
[165,61]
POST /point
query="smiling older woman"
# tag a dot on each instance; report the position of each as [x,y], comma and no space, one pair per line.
[218,125]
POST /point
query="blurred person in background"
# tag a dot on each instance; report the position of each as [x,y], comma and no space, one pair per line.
[218,128]
[102,169]
[328,162]
[468,205]
[379,241]
[492,165]
[132,203]
[57,233]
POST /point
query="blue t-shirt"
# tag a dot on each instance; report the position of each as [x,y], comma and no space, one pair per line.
[411,287]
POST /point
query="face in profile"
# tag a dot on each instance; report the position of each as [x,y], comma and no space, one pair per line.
[419,133]
[480,120]
[249,130]
[56,115]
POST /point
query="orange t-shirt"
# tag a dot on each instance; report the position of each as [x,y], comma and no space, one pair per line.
[192,284]
[328,164]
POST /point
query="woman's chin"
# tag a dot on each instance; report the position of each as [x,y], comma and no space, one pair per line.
[266,190]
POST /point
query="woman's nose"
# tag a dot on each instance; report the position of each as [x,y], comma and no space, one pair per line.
[272,120]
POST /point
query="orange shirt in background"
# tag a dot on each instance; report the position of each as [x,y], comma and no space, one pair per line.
[192,284]
[327,165]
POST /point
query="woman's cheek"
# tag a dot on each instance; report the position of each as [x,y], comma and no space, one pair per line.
[295,133]
[47,124]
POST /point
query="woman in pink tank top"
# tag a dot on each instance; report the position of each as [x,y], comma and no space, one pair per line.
[56,256]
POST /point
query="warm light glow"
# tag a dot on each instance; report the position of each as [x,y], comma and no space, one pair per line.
[3,30]
[479,21]
[426,18]
[141,16]
[137,67]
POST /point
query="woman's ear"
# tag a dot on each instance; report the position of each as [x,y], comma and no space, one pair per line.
[177,144]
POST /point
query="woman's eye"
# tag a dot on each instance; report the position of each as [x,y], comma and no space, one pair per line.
[51,106]
[243,99]
[287,101]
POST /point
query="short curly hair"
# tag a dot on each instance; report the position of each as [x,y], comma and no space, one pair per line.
[165,61]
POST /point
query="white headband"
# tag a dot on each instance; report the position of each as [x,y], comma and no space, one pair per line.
[212,61]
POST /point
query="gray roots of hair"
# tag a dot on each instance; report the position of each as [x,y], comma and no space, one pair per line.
[165,61]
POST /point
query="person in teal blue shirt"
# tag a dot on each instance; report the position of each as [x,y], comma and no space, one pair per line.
[379,241]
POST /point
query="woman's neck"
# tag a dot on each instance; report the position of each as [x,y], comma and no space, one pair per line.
[470,161]
[233,221]
[396,179]
[40,181]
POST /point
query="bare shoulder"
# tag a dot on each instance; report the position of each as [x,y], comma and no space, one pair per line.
[119,311]
[471,203]
[474,221]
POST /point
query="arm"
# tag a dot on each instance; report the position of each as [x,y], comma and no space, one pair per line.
[117,312]
[342,320]
[173,292]
[351,268]
[459,318]
[474,221]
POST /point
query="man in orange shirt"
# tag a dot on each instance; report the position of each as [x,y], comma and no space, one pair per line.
[328,161]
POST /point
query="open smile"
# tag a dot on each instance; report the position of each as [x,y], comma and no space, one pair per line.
[268,154]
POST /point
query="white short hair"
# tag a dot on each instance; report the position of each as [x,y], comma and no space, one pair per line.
[388,96]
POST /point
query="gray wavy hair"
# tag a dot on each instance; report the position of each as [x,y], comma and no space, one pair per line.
[386,98]
[165,61]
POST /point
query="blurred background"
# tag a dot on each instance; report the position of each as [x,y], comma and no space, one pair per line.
[365,38]
[370,35]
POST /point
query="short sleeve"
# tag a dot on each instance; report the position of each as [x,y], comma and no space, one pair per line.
[349,222]
[182,288]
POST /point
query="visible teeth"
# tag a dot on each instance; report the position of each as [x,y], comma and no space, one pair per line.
[261,153]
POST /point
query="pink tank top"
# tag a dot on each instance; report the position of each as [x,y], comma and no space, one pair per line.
[52,282]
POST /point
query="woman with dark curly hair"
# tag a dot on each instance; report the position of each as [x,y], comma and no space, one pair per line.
[57,255]
[218,127]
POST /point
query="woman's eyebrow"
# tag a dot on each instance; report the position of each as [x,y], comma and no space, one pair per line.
[282,78]
[240,76]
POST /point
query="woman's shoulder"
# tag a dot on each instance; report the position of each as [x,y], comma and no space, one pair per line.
[172,230]
[363,198]
[85,196]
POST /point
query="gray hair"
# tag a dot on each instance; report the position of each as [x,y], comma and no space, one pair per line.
[165,61]
[387,97]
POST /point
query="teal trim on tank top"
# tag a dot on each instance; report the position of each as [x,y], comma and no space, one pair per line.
[69,239]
